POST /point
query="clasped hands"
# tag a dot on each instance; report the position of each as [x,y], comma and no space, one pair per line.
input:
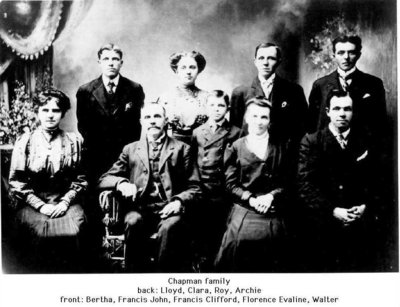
[129,190]
[348,216]
[261,203]
[54,211]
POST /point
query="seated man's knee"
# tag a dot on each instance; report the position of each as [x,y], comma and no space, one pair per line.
[170,224]
[133,219]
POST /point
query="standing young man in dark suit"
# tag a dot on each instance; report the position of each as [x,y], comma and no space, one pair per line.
[367,91]
[108,111]
[336,184]
[289,105]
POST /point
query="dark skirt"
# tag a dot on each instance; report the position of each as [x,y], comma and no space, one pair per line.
[52,244]
[252,242]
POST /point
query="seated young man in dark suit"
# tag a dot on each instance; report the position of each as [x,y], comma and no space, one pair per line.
[335,177]
[158,177]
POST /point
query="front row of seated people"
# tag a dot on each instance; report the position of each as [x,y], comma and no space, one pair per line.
[170,187]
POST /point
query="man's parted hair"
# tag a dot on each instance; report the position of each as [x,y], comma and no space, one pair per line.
[146,104]
[266,45]
[260,101]
[336,93]
[354,39]
[110,47]
[219,94]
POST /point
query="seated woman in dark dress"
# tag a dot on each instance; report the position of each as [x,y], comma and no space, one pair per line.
[46,180]
[255,238]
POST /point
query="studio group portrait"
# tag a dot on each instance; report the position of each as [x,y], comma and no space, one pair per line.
[198,136]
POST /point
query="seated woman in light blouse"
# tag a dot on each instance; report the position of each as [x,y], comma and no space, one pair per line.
[255,173]
[46,180]
[185,104]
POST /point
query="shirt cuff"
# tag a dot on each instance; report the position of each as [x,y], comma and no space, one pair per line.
[34,201]
[246,196]
[69,197]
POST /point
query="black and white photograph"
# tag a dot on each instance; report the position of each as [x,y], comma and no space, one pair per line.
[215,152]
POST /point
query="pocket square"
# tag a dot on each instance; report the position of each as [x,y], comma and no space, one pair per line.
[366,96]
[362,156]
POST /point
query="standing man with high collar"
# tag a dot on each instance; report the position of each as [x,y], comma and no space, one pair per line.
[289,105]
[367,91]
[108,112]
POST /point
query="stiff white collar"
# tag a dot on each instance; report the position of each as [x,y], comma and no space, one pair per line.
[335,133]
[107,80]
[344,74]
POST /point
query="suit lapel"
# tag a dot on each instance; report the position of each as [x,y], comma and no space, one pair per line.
[166,151]
[120,94]
[100,94]
[206,132]
[143,153]
[276,92]
[333,81]
[256,86]
[332,145]
[219,134]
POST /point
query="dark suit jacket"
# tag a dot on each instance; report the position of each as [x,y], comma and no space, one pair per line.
[289,108]
[104,132]
[209,148]
[330,177]
[178,172]
[368,98]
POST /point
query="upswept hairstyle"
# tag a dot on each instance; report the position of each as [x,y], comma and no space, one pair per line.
[197,56]
[46,94]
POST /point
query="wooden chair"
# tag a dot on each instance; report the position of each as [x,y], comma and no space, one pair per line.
[114,238]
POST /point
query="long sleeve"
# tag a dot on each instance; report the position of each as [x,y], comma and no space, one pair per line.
[314,106]
[79,182]
[20,187]
[308,179]
[232,174]
[118,172]
[237,108]
[193,191]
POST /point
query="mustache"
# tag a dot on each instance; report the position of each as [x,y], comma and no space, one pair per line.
[154,126]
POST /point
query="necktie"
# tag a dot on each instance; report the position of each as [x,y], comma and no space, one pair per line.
[341,140]
[267,88]
[214,128]
[346,81]
[111,86]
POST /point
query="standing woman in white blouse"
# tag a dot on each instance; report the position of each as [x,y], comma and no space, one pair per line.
[46,180]
[185,103]
[256,236]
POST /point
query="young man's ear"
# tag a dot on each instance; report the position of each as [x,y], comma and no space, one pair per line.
[327,110]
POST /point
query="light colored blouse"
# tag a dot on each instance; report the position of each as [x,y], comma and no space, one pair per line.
[46,168]
[185,107]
